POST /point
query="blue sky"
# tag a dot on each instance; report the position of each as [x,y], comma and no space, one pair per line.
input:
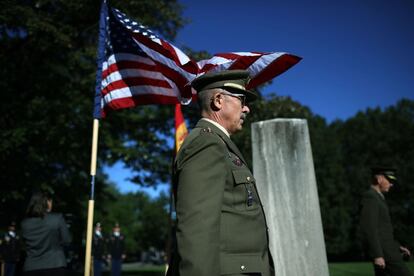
[356,53]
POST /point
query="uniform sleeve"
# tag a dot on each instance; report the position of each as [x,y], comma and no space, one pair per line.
[64,231]
[201,181]
[369,226]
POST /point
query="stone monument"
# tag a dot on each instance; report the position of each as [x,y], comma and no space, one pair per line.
[285,177]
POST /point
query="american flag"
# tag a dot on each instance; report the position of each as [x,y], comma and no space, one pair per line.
[136,67]
[262,67]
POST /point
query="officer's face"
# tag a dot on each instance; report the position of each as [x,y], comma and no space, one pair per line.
[384,184]
[235,112]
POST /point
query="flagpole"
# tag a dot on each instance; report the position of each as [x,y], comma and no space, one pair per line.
[91,202]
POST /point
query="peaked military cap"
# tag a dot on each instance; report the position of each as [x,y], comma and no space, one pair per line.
[388,172]
[233,81]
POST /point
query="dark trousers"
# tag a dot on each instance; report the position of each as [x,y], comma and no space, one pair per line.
[9,269]
[116,267]
[97,267]
[59,271]
[392,269]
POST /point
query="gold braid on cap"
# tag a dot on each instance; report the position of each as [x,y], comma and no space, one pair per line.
[234,85]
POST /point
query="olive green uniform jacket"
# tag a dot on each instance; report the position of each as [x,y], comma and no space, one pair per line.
[377,229]
[221,228]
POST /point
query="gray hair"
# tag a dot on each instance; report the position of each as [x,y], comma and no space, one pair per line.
[205,96]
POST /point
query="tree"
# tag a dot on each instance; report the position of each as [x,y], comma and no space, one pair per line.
[143,220]
[381,137]
[343,153]
[49,52]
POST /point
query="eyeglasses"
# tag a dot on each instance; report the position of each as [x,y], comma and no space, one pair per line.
[241,97]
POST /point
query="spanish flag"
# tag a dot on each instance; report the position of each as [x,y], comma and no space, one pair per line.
[180,127]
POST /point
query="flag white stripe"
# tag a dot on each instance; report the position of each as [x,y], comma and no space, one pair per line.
[133,91]
[125,57]
[261,63]
[166,61]
[131,73]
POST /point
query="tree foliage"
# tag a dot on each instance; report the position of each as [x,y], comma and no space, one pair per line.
[48,52]
[143,220]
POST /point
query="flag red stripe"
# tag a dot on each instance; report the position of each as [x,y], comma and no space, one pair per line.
[124,64]
[134,81]
[243,62]
[228,55]
[274,69]
[130,102]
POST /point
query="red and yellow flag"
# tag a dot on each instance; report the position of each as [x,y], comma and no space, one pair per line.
[180,127]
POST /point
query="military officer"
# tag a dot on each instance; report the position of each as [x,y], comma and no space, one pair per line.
[10,249]
[99,245]
[116,244]
[221,227]
[383,249]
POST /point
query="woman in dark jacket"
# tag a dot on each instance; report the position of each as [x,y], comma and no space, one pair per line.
[44,234]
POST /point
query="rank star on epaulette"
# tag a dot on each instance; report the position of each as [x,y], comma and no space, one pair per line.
[205,130]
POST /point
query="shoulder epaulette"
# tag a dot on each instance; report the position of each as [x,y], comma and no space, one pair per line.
[205,130]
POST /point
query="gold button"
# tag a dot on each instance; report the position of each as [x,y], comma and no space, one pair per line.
[242,267]
[248,178]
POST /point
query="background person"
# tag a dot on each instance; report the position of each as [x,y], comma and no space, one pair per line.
[44,234]
[10,250]
[116,247]
[98,250]
[383,249]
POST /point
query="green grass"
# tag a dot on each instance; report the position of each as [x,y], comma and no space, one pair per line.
[356,269]
[350,269]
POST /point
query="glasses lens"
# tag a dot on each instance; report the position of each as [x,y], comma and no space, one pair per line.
[241,97]
[243,100]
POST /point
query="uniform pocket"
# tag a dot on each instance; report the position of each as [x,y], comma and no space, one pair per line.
[244,191]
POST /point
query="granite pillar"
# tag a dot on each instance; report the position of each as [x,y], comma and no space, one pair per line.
[285,177]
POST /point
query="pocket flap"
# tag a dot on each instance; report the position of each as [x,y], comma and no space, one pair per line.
[243,176]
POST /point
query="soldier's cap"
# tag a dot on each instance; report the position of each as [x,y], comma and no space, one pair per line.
[12,223]
[98,224]
[233,81]
[388,172]
[116,225]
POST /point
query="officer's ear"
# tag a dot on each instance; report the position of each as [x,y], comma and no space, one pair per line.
[216,102]
[380,179]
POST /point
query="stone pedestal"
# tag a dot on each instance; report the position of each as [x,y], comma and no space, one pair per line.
[285,177]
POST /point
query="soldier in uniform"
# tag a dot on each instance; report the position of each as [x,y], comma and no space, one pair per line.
[116,244]
[10,249]
[99,246]
[385,252]
[221,227]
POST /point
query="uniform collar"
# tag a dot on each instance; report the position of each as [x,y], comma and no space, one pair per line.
[379,193]
[217,125]
[226,139]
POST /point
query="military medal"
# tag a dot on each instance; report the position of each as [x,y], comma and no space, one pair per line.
[249,196]
[237,162]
